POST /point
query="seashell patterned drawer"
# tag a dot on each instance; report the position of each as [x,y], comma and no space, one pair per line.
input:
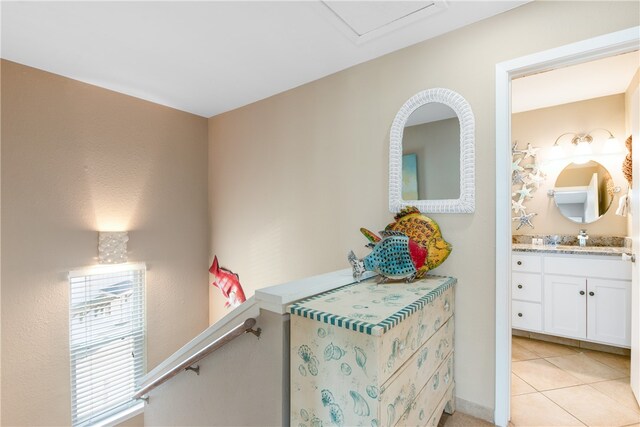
[373,354]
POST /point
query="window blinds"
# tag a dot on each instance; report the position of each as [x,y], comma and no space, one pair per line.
[106,339]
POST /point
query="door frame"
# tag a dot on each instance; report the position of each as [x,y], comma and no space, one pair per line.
[587,50]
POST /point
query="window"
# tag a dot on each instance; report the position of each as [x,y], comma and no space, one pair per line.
[106,339]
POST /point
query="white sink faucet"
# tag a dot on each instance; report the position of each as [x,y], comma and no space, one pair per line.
[583,237]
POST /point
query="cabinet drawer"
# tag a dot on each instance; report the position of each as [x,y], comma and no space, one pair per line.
[602,267]
[401,342]
[437,414]
[400,391]
[430,396]
[526,287]
[526,262]
[526,315]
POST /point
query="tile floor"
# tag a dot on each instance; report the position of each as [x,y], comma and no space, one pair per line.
[559,385]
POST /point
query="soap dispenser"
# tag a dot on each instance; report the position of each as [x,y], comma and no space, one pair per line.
[583,237]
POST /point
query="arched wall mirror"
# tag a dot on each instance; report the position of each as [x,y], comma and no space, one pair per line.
[432,154]
[584,192]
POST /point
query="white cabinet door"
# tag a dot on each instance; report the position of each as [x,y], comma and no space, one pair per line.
[609,311]
[565,308]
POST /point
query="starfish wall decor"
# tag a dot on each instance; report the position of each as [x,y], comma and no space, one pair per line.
[528,177]
[525,219]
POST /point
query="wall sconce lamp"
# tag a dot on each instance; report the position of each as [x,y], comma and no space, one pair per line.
[582,142]
[112,247]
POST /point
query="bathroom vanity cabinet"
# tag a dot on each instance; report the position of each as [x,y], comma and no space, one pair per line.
[374,354]
[585,297]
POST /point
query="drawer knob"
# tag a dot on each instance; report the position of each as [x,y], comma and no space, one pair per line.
[591,294]
[519,286]
[519,314]
[519,262]
[581,292]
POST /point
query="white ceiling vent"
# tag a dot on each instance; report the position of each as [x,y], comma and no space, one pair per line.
[362,21]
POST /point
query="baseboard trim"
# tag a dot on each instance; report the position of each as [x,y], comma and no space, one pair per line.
[587,345]
[474,409]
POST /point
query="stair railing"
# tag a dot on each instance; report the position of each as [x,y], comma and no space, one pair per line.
[187,365]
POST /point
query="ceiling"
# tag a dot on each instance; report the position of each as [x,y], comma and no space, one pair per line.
[208,57]
[594,79]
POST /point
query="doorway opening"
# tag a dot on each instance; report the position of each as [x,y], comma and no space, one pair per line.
[562,373]
[511,82]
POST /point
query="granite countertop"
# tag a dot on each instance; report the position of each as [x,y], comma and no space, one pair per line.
[570,249]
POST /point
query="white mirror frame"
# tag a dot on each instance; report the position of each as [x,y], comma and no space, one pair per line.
[466,202]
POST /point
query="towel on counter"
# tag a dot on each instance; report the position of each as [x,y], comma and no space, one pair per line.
[623,205]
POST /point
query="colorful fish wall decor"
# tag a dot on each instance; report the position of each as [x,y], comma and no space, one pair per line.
[407,249]
[229,284]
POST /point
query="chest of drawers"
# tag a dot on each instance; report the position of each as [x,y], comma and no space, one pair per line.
[374,355]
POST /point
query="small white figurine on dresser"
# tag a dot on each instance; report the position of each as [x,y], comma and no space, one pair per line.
[373,354]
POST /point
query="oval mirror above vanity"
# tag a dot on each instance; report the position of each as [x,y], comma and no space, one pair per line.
[432,154]
[583,192]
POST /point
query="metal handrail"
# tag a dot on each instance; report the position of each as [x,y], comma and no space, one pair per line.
[241,329]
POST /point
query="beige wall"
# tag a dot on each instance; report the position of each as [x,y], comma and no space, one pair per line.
[77,159]
[541,128]
[237,385]
[631,95]
[293,177]
[628,96]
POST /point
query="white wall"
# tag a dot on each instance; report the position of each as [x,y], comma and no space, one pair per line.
[77,159]
[293,177]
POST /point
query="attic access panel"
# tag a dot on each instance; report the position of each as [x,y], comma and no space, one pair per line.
[362,21]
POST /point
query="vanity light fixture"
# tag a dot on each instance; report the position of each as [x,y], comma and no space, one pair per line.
[583,149]
[112,247]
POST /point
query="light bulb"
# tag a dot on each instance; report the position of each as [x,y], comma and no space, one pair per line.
[612,146]
[583,152]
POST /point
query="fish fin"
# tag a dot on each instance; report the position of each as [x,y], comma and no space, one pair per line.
[407,211]
[215,267]
[388,233]
[357,266]
[370,235]
[411,278]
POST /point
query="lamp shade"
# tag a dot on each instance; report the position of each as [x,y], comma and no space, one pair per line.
[112,247]
[556,152]
[583,152]
[612,146]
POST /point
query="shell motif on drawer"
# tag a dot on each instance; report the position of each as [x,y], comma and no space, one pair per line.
[434,391]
